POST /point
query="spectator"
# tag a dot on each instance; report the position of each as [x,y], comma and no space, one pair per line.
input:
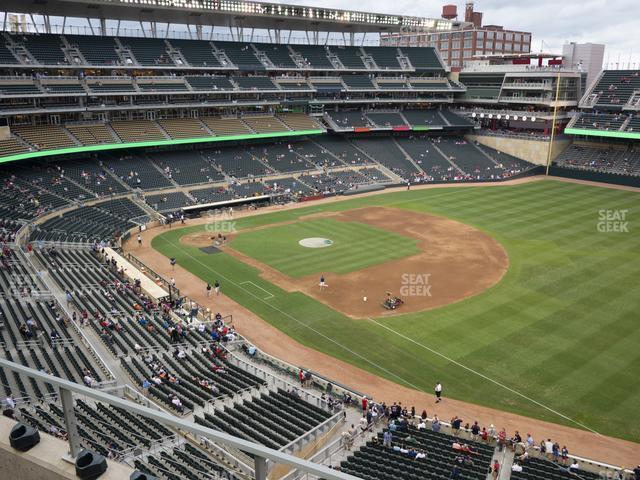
[10,402]
[177,404]
[495,470]
[435,424]
[387,438]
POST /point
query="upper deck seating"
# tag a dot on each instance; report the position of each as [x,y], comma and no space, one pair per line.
[96,50]
[350,57]
[241,55]
[148,51]
[198,53]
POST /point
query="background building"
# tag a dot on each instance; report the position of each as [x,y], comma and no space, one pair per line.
[469,40]
[587,57]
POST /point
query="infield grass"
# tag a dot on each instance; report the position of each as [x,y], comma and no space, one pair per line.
[561,328]
[355,246]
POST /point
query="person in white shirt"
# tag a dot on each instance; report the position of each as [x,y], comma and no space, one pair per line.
[11,403]
[438,391]
[574,466]
[182,354]
[516,467]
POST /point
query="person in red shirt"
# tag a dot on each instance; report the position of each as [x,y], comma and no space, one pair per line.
[364,403]
[495,470]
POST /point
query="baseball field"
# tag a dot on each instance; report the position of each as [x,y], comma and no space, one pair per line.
[523,298]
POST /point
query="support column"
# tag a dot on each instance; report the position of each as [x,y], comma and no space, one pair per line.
[70,422]
[260,468]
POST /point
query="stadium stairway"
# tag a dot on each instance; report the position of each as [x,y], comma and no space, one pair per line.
[453,164]
[407,156]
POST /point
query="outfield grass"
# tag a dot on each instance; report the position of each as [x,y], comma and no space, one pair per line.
[561,327]
[355,246]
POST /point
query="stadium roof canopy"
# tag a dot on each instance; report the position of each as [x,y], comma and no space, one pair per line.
[231,13]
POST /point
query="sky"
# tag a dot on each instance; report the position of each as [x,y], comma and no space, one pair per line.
[612,22]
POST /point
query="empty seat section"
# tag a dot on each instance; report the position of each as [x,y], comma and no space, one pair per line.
[19,88]
[423,118]
[358,82]
[45,137]
[184,128]
[209,83]
[423,59]
[137,130]
[198,53]
[45,48]
[385,57]
[96,50]
[254,83]
[279,54]
[388,154]
[92,134]
[138,172]
[315,56]
[351,119]
[235,162]
[386,119]
[186,167]
[266,124]
[166,202]
[299,121]
[226,126]
[241,55]
[350,57]
[148,51]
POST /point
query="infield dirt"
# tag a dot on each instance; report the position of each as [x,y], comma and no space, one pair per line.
[456,261]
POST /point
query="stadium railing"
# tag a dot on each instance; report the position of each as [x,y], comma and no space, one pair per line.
[260,453]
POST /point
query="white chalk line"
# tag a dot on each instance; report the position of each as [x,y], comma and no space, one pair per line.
[483,376]
[277,309]
[269,294]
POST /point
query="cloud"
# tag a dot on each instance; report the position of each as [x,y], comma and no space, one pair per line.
[553,22]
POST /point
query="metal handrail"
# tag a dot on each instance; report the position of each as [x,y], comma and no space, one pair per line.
[260,452]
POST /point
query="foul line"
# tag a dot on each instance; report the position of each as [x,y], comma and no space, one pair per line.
[270,295]
[356,354]
[483,376]
[535,402]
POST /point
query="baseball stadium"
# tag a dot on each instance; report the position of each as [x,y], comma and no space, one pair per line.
[250,240]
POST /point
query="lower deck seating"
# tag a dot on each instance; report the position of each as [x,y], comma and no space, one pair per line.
[168,202]
[606,158]
[541,469]
[273,420]
[375,461]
